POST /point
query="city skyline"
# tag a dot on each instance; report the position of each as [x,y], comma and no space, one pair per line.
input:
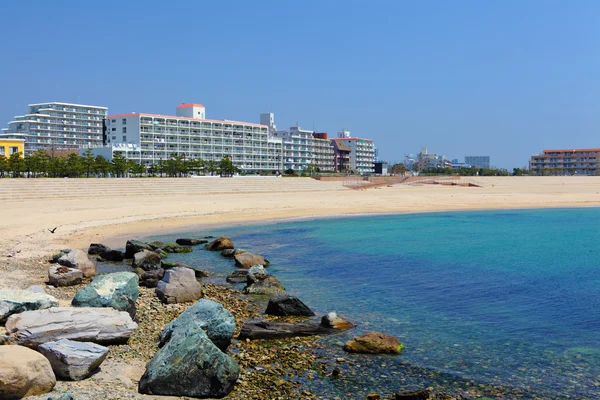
[505,80]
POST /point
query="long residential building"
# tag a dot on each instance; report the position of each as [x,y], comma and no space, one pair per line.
[57,125]
[149,138]
[354,154]
[566,162]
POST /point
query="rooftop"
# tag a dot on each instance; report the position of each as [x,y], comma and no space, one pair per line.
[188,105]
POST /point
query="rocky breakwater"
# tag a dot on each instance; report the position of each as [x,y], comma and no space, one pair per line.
[189,363]
[98,325]
[147,265]
[222,243]
[79,260]
[117,290]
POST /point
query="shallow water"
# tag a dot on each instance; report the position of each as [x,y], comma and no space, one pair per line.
[501,298]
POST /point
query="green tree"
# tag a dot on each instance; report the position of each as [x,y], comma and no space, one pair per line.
[398,169]
[119,164]
[16,164]
[3,166]
[101,166]
[212,167]
[88,161]
[135,168]
[226,167]
[73,165]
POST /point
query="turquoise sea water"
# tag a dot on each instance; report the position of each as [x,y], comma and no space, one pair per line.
[504,298]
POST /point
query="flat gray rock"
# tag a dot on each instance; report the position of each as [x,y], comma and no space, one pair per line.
[73,360]
[18,301]
[85,324]
[59,276]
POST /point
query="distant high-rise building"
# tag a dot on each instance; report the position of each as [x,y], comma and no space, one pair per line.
[478,161]
[56,125]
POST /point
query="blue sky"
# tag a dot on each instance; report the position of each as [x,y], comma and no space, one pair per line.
[500,78]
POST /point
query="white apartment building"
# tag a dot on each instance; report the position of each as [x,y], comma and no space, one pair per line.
[427,161]
[149,138]
[302,147]
[56,125]
[362,152]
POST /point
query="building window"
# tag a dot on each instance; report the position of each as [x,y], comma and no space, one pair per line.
[114,129]
[114,121]
[124,129]
[124,121]
[114,138]
[124,138]
[2,151]
[13,150]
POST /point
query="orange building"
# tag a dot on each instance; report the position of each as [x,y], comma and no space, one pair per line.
[566,162]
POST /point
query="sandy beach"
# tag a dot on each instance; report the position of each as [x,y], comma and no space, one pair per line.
[110,211]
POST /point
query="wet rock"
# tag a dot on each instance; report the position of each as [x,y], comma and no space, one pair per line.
[238,276]
[176,248]
[156,245]
[118,290]
[229,253]
[98,325]
[191,242]
[135,246]
[247,260]
[24,372]
[79,260]
[113,255]
[73,360]
[221,243]
[97,248]
[210,316]
[332,320]
[189,364]
[374,342]
[256,329]
[413,395]
[259,282]
[178,285]
[18,301]
[284,304]
[146,260]
[59,276]
[150,278]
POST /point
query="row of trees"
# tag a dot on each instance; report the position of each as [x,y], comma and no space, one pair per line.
[400,168]
[42,164]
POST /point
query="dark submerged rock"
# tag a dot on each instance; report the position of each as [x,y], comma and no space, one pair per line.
[97,248]
[191,242]
[283,304]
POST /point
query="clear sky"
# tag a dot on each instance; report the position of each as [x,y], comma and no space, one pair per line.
[504,78]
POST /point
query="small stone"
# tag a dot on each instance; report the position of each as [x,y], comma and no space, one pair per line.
[60,276]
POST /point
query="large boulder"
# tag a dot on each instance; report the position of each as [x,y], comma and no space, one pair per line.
[59,275]
[179,285]
[189,364]
[97,248]
[150,278]
[259,281]
[146,260]
[283,304]
[221,243]
[118,290]
[24,372]
[135,246]
[373,343]
[78,259]
[85,324]
[332,320]
[208,315]
[73,360]
[191,242]
[176,248]
[246,260]
[113,255]
[17,301]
